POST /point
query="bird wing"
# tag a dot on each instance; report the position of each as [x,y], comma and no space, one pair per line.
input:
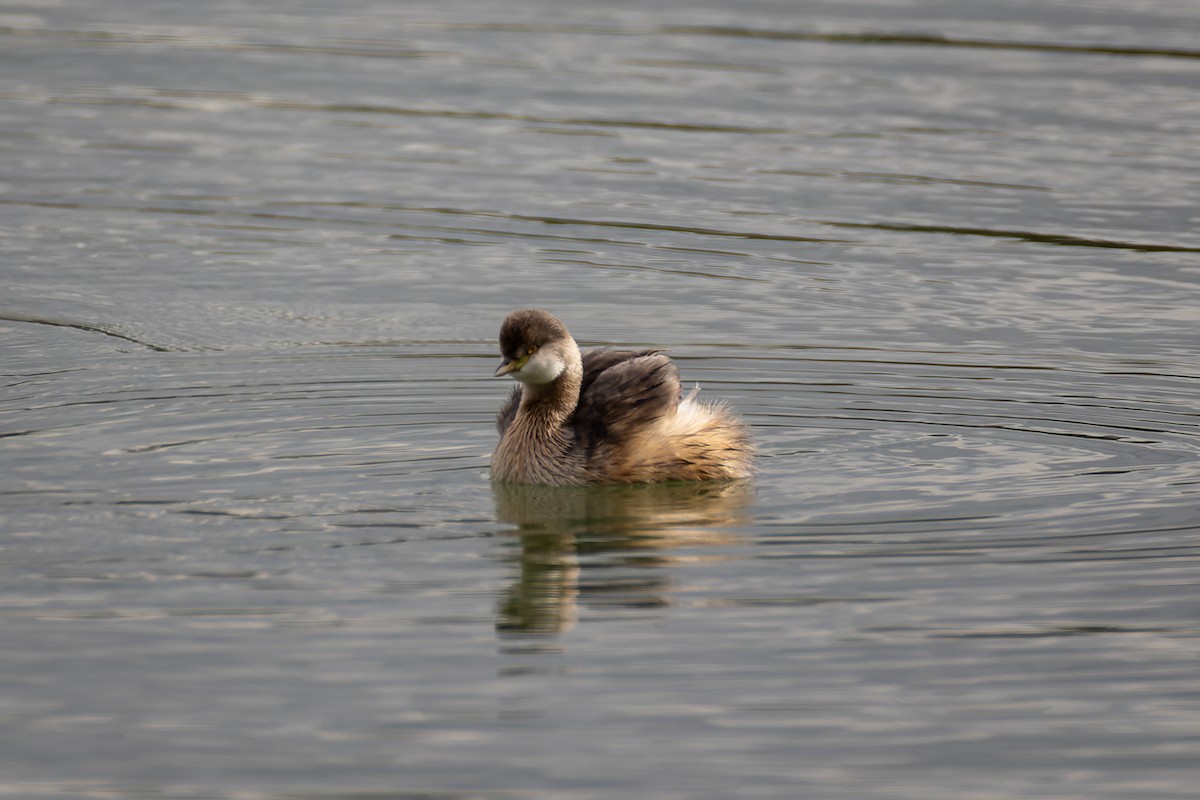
[508,411]
[623,391]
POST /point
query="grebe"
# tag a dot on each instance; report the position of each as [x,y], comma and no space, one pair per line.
[605,416]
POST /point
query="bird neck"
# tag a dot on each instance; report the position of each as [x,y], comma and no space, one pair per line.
[536,448]
[550,405]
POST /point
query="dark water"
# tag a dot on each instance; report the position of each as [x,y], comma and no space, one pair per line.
[942,256]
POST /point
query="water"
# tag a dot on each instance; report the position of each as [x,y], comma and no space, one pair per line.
[942,257]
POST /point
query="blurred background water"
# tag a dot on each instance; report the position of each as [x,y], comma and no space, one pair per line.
[942,256]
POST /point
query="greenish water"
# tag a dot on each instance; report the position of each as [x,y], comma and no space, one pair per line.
[942,257]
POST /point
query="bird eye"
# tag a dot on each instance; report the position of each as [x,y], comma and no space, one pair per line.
[533,348]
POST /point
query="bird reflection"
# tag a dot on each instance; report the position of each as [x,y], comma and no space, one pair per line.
[562,530]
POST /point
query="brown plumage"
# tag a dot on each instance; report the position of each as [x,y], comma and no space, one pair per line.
[605,416]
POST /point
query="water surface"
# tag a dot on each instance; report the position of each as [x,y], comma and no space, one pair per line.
[942,257]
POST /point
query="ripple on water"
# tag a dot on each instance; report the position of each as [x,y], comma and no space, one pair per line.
[256,426]
[1064,447]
